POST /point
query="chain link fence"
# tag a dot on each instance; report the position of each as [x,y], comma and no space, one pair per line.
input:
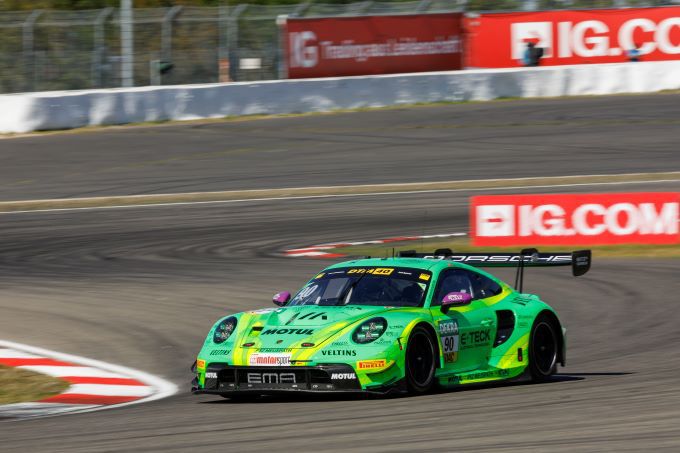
[67,50]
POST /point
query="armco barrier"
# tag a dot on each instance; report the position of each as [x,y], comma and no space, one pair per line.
[27,112]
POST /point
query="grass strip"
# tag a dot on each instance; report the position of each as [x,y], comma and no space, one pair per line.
[19,386]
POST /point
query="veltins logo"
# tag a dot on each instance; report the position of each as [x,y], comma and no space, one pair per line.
[539,32]
[495,220]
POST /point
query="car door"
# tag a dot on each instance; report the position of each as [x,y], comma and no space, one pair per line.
[465,332]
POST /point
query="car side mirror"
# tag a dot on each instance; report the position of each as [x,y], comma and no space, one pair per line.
[281,298]
[454,299]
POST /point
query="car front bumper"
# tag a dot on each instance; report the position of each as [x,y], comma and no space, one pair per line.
[223,379]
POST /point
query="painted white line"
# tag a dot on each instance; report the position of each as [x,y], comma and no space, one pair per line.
[14,354]
[59,371]
[367,194]
[110,390]
[156,387]
[29,410]
[314,250]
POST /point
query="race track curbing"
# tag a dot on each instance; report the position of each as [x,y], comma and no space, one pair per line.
[93,384]
[318,251]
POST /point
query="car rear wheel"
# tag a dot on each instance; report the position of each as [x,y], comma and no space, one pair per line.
[420,361]
[542,350]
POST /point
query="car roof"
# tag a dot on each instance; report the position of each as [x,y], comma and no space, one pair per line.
[415,263]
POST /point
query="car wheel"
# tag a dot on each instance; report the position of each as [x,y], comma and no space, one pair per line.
[542,349]
[420,362]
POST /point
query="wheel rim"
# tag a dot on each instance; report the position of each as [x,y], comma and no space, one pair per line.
[545,348]
[420,359]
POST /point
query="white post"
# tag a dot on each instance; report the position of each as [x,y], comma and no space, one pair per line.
[126,44]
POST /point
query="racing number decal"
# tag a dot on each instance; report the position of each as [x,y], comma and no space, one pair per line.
[448,332]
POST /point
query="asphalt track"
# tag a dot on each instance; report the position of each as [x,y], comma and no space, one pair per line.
[141,286]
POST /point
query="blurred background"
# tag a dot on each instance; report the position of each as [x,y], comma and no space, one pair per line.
[76,44]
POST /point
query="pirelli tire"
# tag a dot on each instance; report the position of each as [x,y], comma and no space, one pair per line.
[543,349]
[420,361]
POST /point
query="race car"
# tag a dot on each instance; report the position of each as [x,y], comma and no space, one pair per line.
[401,324]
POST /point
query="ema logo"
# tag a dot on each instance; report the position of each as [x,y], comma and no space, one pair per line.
[539,33]
[495,220]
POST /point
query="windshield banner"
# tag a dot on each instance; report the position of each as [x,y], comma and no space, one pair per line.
[365,45]
[579,219]
[573,37]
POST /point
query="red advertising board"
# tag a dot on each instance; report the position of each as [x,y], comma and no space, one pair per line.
[573,37]
[364,45]
[581,219]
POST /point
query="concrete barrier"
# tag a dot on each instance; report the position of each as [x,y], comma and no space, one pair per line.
[26,112]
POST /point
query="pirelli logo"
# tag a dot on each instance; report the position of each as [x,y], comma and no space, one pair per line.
[371,364]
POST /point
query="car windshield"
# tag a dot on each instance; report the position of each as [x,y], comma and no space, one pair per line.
[389,286]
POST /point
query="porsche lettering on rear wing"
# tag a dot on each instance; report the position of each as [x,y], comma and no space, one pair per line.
[578,260]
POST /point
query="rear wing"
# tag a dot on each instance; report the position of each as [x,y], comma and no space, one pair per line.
[578,260]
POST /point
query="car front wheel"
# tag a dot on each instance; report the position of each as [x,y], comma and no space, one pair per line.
[542,349]
[420,361]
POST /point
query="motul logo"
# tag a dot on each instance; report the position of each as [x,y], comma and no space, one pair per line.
[576,219]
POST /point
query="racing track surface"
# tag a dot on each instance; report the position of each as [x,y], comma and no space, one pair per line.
[140,287]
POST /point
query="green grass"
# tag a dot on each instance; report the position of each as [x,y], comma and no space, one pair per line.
[20,386]
[463,245]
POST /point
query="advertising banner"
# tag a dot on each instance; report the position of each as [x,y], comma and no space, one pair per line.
[365,45]
[579,219]
[573,37]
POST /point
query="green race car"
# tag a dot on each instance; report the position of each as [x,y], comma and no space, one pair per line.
[405,324]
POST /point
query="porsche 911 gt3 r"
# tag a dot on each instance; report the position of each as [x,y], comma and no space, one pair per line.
[392,324]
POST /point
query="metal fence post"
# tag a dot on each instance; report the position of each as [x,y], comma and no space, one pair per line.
[222,44]
[232,39]
[300,10]
[282,66]
[28,29]
[166,33]
[127,44]
[99,47]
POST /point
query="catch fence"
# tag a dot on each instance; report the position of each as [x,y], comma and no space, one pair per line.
[65,50]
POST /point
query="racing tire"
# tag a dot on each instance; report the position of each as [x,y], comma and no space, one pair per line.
[420,361]
[543,347]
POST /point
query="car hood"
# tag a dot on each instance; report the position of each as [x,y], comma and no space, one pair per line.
[289,327]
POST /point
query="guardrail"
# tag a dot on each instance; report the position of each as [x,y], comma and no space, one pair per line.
[26,112]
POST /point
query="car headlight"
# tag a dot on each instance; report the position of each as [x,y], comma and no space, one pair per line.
[370,330]
[224,330]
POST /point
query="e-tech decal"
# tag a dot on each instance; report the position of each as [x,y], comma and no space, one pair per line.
[475,338]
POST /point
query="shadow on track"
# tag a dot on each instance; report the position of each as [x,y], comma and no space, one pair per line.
[305,397]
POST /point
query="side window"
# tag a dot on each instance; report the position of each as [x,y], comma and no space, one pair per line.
[483,286]
[453,280]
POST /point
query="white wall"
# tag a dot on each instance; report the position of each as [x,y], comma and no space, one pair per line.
[26,112]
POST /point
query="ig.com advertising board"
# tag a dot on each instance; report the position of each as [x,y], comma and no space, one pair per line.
[579,219]
[572,37]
